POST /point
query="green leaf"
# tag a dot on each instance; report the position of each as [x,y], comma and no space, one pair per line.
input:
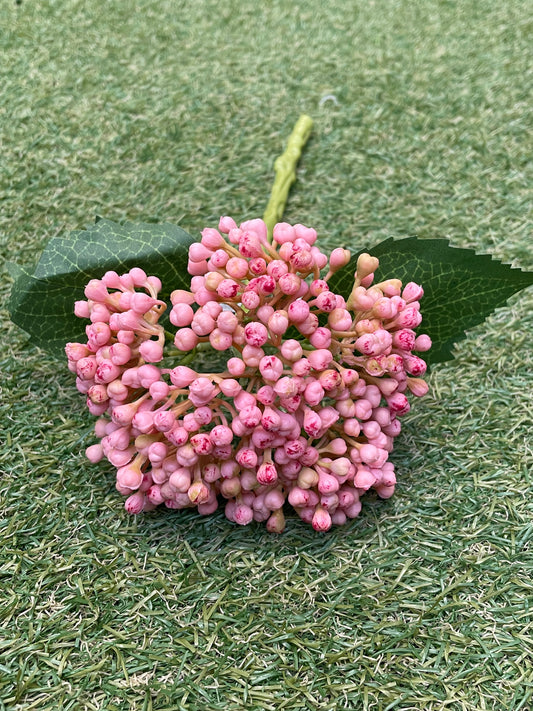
[461,288]
[42,303]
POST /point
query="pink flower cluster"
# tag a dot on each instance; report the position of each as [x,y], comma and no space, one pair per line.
[308,406]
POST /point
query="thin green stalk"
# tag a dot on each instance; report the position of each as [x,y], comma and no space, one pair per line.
[285,169]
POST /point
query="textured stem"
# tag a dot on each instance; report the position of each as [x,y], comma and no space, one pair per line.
[285,169]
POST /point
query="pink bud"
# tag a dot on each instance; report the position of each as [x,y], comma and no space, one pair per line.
[242,514]
[289,284]
[277,268]
[340,320]
[211,239]
[278,322]
[94,453]
[271,368]
[321,519]
[129,477]
[283,232]
[267,473]
[255,334]
[236,366]
[252,355]
[422,343]
[417,386]
[412,292]
[185,339]
[134,504]
[291,350]
[221,435]
[320,359]
[339,258]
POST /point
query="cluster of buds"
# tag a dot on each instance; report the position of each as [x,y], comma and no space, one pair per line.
[307,407]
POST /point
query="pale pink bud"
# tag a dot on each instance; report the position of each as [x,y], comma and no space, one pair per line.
[237,268]
[286,250]
[306,233]
[274,499]
[321,338]
[298,497]
[98,333]
[236,366]
[338,258]
[264,312]
[278,322]
[151,351]
[201,391]
[212,239]
[221,435]
[383,491]
[412,292]
[256,225]
[134,504]
[96,290]
[249,245]
[182,375]
[210,472]
[366,265]
[198,492]
[321,520]
[314,393]
[289,284]
[197,268]
[86,368]
[203,297]
[226,224]
[327,483]
[129,477]
[422,343]
[181,315]
[94,453]
[246,458]
[250,300]
[198,252]
[276,268]
[320,359]
[340,320]
[330,379]
[179,296]
[291,350]
[185,339]
[219,340]
[328,415]
[252,355]
[270,367]
[203,415]
[283,232]
[250,416]
[417,386]
[242,514]
[415,365]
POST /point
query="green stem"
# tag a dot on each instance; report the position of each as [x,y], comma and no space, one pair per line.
[285,169]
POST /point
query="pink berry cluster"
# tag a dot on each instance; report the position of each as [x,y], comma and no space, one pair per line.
[308,406]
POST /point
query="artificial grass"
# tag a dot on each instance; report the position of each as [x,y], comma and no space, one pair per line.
[175,111]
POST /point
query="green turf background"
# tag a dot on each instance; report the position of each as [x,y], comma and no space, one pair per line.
[154,110]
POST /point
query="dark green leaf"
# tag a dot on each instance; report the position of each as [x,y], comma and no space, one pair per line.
[42,303]
[461,288]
